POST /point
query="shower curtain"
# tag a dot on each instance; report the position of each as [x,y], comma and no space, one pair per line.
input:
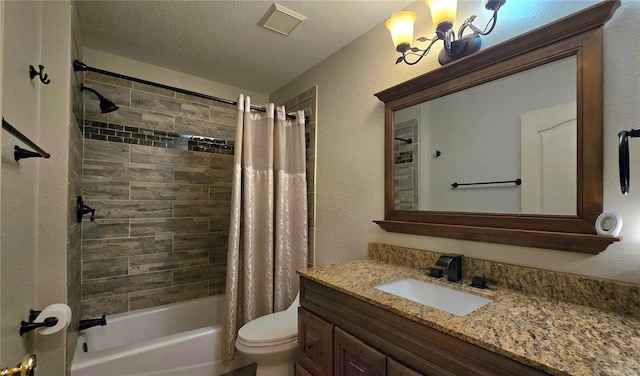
[268,229]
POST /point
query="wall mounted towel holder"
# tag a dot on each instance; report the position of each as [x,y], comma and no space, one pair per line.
[516,182]
[623,157]
[20,153]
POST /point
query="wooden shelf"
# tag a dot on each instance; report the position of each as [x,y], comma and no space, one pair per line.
[573,242]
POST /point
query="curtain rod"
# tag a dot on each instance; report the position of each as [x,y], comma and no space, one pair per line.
[80,66]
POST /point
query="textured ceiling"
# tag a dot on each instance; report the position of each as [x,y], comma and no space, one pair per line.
[222,41]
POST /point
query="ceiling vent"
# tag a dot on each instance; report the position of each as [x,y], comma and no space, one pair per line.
[281,19]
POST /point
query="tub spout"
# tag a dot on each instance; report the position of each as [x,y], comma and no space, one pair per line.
[86,324]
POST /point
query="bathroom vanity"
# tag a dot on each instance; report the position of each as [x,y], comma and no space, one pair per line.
[339,333]
[347,327]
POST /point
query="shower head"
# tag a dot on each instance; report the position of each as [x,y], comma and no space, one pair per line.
[106,105]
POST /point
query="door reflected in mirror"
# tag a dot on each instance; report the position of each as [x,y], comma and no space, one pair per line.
[450,151]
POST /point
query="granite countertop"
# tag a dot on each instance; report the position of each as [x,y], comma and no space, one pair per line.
[557,337]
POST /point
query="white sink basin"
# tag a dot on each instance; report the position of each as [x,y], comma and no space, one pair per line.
[453,301]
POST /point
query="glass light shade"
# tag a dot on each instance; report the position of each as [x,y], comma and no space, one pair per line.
[442,10]
[401,27]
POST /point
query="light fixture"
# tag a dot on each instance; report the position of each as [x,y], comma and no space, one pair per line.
[443,13]
[106,105]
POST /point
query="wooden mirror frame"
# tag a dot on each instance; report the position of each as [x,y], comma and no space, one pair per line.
[577,35]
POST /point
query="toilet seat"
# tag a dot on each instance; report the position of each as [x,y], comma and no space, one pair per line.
[269,330]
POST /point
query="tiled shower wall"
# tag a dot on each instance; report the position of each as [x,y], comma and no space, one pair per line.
[162,203]
[74,229]
[406,161]
[307,101]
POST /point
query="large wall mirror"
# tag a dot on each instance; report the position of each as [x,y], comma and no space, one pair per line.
[504,146]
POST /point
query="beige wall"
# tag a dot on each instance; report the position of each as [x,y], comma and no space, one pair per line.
[52,194]
[34,191]
[19,179]
[133,68]
[350,158]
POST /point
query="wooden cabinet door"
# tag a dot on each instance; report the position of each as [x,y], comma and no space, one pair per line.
[352,357]
[301,371]
[396,369]
[315,344]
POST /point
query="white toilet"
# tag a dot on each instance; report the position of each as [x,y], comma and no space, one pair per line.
[271,341]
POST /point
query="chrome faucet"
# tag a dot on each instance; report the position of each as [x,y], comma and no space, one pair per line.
[453,263]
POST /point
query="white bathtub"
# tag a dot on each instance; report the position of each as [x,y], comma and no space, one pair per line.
[181,338]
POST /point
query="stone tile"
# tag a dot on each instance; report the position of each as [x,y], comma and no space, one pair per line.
[116,94]
[165,261]
[95,288]
[103,170]
[291,104]
[109,305]
[195,127]
[77,101]
[218,255]
[123,247]
[93,76]
[74,300]
[217,287]
[105,228]
[97,190]
[310,93]
[146,299]
[75,149]
[120,209]
[106,151]
[199,241]
[225,116]
[169,106]
[201,175]
[74,272]
[107,267]
[163,156]
[305,106]
[221,162]
[75,190]
[75,181]
[154,89]
[160,191]
[193,98]
[74,234]
[200,274]
[131,117]
[220,192]
[219,223]
[200,209]
[168,226]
